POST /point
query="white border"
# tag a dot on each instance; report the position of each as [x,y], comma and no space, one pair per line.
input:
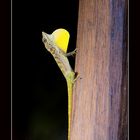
[11,69]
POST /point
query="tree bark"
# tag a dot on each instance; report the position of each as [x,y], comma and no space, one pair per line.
[100,94]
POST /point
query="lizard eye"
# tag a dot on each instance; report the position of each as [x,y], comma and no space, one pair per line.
[44,40]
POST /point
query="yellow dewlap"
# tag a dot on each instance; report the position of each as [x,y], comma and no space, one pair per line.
[61,38]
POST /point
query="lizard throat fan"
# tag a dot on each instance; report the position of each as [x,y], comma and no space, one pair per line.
[60,37]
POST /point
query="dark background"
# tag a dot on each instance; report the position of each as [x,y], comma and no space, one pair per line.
[39,96]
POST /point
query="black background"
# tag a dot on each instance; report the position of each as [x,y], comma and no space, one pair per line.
[39,96]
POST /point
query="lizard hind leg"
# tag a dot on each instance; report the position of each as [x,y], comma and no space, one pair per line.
[72,77]
[76,76]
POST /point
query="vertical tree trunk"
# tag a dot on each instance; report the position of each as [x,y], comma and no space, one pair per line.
[100,94]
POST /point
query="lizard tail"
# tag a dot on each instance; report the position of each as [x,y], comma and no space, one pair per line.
[70,86]
[70,80]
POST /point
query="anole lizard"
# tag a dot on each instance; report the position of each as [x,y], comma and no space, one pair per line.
[57,44]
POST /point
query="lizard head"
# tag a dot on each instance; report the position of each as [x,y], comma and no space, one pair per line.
[49,43]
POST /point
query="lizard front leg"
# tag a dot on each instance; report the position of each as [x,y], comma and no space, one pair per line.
[71,53]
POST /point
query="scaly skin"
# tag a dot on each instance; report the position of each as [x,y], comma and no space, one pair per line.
[63,63]
[70,81]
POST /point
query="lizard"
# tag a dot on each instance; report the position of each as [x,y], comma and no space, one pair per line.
[57,44]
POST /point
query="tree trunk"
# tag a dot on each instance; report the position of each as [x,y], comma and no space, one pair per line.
[100,94]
